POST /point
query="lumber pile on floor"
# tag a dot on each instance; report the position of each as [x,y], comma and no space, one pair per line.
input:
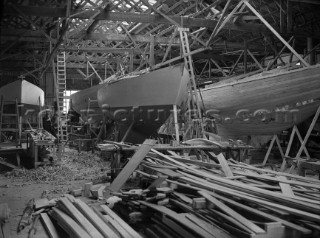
[71,217]
[213,197]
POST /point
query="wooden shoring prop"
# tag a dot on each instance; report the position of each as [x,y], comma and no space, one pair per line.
[294,131]
[127,132]
[305,140]
[130,167]
[275,138]
[176,124]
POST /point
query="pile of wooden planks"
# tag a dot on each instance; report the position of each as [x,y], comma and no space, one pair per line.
[79,220]
[214,197]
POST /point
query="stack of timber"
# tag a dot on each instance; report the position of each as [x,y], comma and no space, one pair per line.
[179,196]
[68,216]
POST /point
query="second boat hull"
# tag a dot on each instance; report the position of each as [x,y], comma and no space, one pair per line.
[264,104]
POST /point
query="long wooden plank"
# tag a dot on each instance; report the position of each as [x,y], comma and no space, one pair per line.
[286,188]
[224,165]
[243,187]
[50,228]
[77,215]
[207,226]
[117,226]
[167,172]
[104,229]
[68,224]
[157,182]
[130,166]
[219,205]
[261,213]
[197,162]
[177,227]
[247,197]
[305,179]
[178,218]
[279,180]
[120,221]
[230,219]
[8,165]
[113,224]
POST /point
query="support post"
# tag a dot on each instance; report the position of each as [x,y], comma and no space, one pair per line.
[311,57]
[289,16]
[176,125]
[245,57]
[151,57]
[127,132]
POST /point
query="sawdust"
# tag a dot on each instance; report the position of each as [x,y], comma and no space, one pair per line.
[73,166]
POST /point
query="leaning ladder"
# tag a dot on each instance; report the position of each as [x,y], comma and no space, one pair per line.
[12,121]
[194,97]
[61,98]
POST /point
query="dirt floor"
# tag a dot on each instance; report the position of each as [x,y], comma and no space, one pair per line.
[18,186]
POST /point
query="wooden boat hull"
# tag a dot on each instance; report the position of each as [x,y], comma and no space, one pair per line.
[29,96]
[146,99]
[238,105]
[80,100]
[159,88]
[25,92]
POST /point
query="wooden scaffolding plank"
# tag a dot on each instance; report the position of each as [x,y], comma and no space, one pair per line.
[114,216]
[65,204]
[244,221]
[50,228]
[68,224]
[104,229]
[224,165]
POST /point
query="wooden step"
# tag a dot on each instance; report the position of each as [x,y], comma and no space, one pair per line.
[10,143]
[9,114]
[10,129]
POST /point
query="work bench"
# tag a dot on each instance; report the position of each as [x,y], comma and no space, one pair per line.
[40,138]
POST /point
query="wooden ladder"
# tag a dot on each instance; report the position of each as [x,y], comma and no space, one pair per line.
[11,121]
[194,95]
[61,98]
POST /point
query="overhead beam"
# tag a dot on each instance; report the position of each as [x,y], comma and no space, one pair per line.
[132,17]
[307,1]
[10,34]
[101,50]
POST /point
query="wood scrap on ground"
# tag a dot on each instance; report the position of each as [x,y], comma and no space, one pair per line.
[240,200]
[184,195]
